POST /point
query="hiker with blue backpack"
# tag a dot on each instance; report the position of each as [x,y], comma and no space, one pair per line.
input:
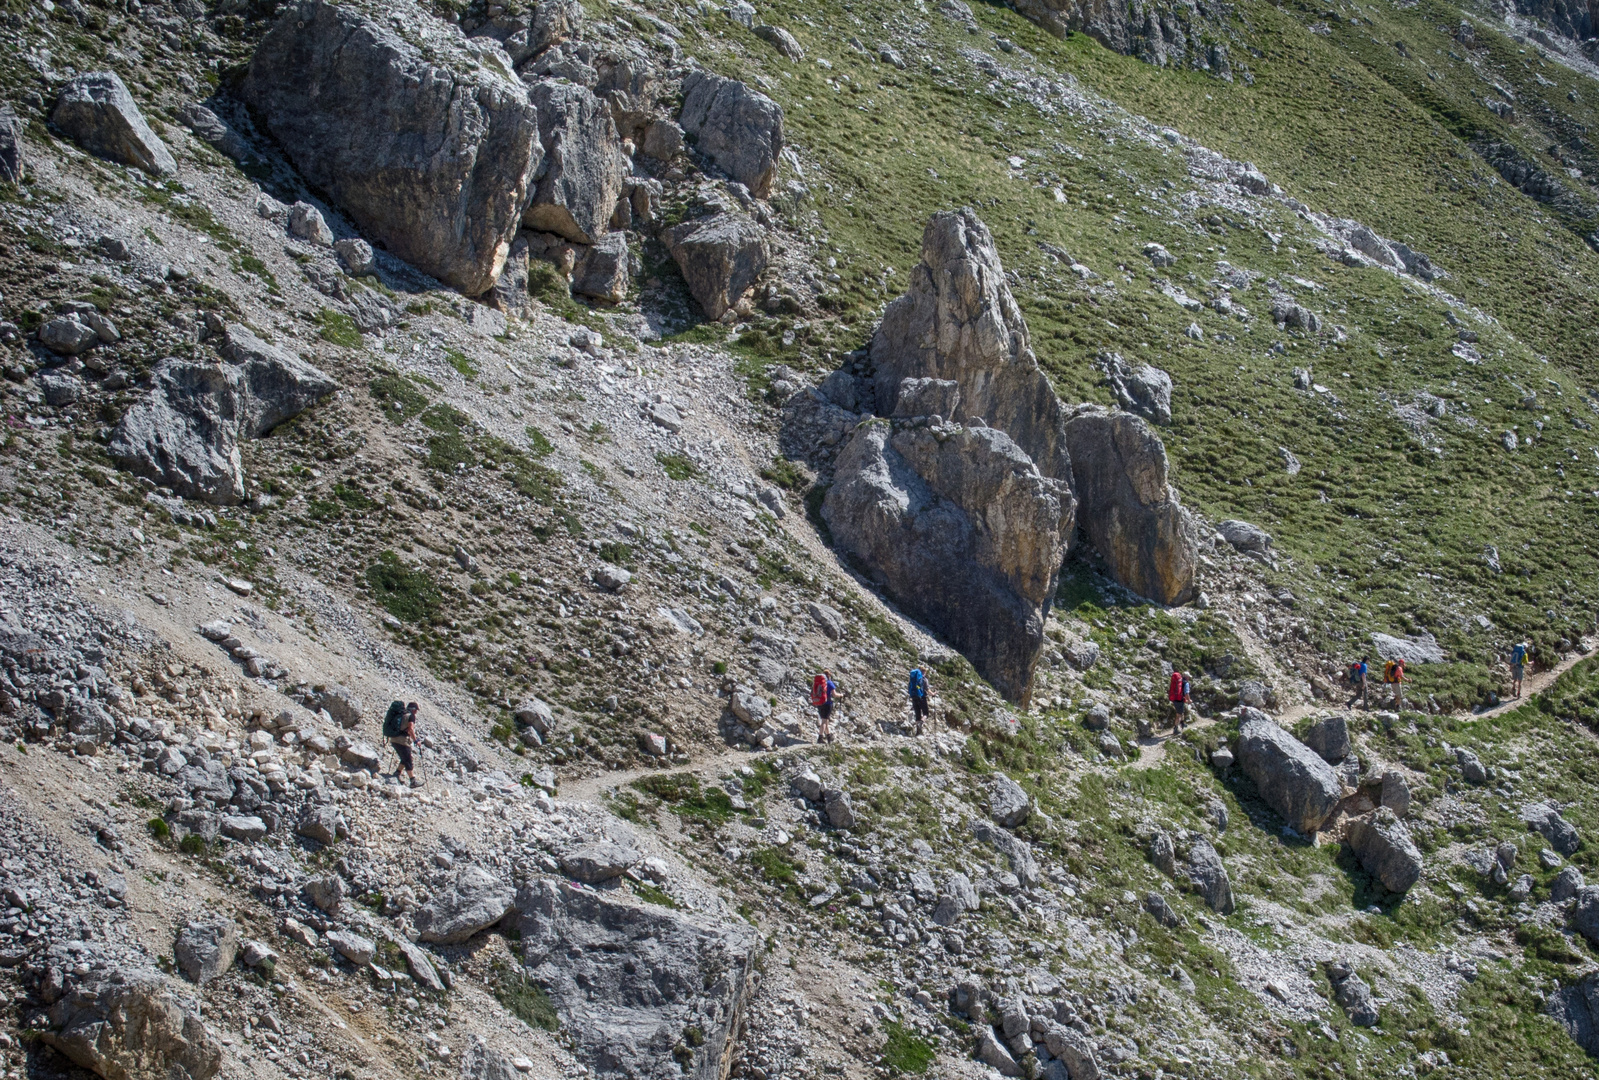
[399,729]
[1518,666]
[919,693]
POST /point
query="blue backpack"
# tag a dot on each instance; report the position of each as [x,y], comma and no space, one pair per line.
[1518,655]
[918,686]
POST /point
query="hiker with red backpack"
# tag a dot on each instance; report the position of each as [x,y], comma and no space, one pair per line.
[822,690]
[1179,692]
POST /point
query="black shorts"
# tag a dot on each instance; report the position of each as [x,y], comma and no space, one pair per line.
[919,704]
[824,711]
[405,755]
[1180,706]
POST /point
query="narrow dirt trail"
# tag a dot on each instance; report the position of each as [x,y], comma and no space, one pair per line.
[1153,751]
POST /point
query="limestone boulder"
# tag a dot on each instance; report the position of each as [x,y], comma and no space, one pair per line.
[962,530]
[1329,737]
[1142,389]
[129,1024]
[205,950]
[432,152]
[474,901]
[583,167]
[738,128]
[1544,819]
[1383,845]
[1576,1008]
[721,257]
[1127,508]
[958,322]
[97,112]
[601,270]
[13,152]
[185,433]
[628,978]
[1290,776]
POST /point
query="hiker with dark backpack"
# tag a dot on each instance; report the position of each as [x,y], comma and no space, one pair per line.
[399,728]
[1518,666]
[1357,681]
[822,690]
[919,693]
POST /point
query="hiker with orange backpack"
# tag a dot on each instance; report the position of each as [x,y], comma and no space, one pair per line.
[1179,692]
[822,691]
[1393,673]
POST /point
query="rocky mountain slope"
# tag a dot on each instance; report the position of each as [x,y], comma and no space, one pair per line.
[594,374]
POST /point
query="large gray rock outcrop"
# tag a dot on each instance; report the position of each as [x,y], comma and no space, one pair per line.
[1292,779]
[1383,845]
[13,153]
[1018,853]
[628,978]
[583,164]
[185,433]
[97,112]
[431,151]
[1208,875]
[1162,32]
[721,257]
[205,950]
[1145,389]
[1576,1008]
[1545,820]
[958,322]
[1127,508]
[963,531]
[129,1025]
[1584,914]
[473,902]
[738,128]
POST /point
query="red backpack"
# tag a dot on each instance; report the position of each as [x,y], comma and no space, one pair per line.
[819,690]
[1175,692]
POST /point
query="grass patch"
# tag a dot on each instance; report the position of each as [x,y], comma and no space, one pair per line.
[905,1051]
[410,595]
[399,396]
[463,366]
[652,895]
[338,329]
[683,793]
[678,466]
[525,1000]
[538,443]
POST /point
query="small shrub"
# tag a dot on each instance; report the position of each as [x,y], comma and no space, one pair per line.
[526,1001]
[192,844]
[538,444]
[338,329]
[458,360]
[678,466]
[407,594]
[158,828]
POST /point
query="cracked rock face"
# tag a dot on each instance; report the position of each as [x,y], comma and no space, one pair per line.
[433,155]
[130,1025]
[629,979]
[959,323]
[1126,507]
[1291,777]
[916,503]
[738,128]
[185,433]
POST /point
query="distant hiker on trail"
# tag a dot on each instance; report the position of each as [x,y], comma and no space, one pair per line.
[1357,681]
[1393,673]
[1179,692]
[822,690]
[1518,666]
[399,728]
[918,692]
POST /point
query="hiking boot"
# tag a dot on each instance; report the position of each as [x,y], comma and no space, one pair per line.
[415,782]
